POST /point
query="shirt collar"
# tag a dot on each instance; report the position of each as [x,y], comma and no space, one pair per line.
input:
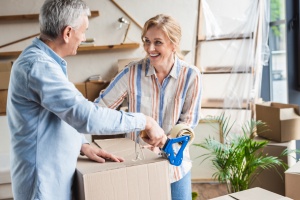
[150,70]
[45,48]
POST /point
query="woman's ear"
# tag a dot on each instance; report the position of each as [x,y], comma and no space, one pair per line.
[67,34]
[174,48]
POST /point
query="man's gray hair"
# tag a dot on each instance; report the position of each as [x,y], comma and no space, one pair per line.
[56,15]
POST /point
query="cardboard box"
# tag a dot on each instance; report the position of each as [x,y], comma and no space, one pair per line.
[292,180]
[146,179]
[253,194]
[3,101]
[283,121]
[273,179]
[5,68]
[93,89]
[81,87]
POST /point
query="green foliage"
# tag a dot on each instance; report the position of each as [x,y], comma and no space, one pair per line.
[275,13]
[194,195]
[238,159]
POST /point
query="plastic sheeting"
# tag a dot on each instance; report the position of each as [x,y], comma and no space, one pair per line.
[231,51]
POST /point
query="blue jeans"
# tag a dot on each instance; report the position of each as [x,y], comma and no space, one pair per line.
[182,189]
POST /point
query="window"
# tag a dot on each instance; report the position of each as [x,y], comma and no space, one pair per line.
[277,44]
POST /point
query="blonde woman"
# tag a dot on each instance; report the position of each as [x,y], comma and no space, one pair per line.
[162,86]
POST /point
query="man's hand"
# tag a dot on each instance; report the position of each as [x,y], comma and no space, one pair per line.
[98,155]
[153,133]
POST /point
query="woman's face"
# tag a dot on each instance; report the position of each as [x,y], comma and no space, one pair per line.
[159,48]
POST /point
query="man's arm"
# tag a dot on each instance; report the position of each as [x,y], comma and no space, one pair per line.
[156,137]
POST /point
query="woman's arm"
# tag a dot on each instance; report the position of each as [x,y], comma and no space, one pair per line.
[116,91]
[190,113]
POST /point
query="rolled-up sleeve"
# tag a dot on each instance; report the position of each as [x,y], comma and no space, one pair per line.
[52,89]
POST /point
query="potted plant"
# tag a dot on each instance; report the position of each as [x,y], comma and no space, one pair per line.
[237,158]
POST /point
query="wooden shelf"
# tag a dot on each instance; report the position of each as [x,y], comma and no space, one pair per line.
[83,49]
[107,47]
[94,13]
[211,103]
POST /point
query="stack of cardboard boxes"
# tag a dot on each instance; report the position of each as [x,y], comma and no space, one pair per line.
[283,122]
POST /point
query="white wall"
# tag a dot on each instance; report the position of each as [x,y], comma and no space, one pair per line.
[4,136]
[104,30]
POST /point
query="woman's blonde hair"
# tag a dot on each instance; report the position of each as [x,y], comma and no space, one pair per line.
[169,26]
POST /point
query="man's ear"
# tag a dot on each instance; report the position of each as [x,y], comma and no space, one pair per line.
[67,34]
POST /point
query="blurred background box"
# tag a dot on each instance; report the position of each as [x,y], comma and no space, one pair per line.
[292,180]
[5,68]
[93,89]
[283,121]
[81,87]
[273,179]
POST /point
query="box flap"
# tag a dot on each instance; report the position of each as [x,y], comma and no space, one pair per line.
[287,111]
[257,194]
[122,147]
[295,169]
[282,105]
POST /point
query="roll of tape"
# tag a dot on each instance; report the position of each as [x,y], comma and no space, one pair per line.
[181,130]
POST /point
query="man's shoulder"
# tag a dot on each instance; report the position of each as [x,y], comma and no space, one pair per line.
[33,54]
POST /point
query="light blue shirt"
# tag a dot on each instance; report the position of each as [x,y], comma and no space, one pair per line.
[45,115]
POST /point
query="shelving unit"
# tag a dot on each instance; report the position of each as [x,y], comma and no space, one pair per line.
[211,72]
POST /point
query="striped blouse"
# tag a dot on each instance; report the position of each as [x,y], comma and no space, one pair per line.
[177,100]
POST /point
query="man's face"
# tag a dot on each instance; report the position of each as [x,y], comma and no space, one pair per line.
[77,36]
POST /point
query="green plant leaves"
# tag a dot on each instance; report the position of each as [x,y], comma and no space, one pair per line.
[239,159]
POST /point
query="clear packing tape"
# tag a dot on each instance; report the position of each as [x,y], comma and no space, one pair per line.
[231,51]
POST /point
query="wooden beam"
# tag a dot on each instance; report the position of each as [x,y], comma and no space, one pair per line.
[22,39]
[131,18]
[94,13]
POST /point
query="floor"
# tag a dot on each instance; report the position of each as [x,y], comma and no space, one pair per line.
[209,190]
